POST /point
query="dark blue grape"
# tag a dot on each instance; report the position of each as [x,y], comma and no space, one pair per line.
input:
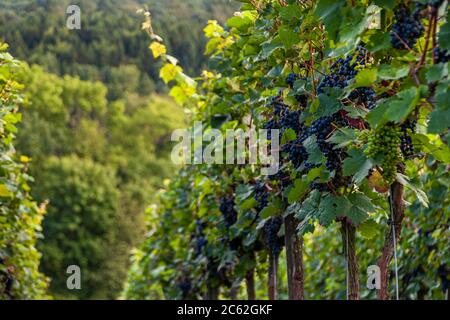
[442,56]
[273,242]
[407,28]
[228,212]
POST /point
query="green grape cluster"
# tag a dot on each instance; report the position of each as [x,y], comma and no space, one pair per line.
[385,141]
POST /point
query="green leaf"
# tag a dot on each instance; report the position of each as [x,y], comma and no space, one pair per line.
[314,173]
[444,35]
[366,78]
[439,121]
[396,108]
[288,135]
[315,156]
[327,211]
[269,211]
[329,103]
[354,24]
[299,189]
[379,41]
[436,72]
[420,194]
[287,37]
[243,192]
[332,207]
[387,4]
[169,71]
[157,49]
[357,165]
[290,12]
[391,72]
[360,208]
[369,229]
[4,191]
[310,206]
[342,137]
[434,147]
[242,21]
[329,11]
[248,204]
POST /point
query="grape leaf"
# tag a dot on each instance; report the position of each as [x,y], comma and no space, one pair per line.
[368,229]
[342,137]
[436,72]
[444,36]
[360,208]
[391,72]
[356,165]
[299,189]
[315,156]
[365,78]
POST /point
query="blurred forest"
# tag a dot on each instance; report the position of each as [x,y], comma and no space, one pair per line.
[96,124]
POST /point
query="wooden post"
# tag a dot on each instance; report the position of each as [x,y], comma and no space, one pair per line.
[348,232]
[398,212]
[250,283]
[294,259]
[272,277]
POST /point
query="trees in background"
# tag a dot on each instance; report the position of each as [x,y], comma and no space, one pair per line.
[83,227]
[110,45]
[98,164]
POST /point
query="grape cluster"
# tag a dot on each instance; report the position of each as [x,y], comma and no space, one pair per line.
[261,195]
[297,153]
[363,96]
[291,120]
[200,240]
[442,56]
[407,28]
[279,109]
[444,274]
[228,212]
[278,105]
[272,241]
[385,141]
[290,80]
[406,145]
[219,274]
[322,128]
[184,284]
[7,280]
[344,70]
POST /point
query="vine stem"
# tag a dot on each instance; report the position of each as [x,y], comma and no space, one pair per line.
[272,277]
[348,232]
[212,292]
[250,284]
[391,238]
[294,259]
[431,21]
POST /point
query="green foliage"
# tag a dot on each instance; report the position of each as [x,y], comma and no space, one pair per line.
[109,47]
[69,123]
[81,226]
[250,60]
[20,216]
